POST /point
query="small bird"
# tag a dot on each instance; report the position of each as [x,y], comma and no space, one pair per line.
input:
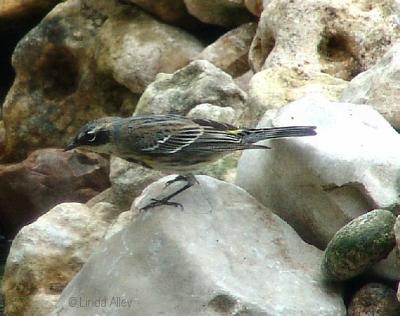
[174,143]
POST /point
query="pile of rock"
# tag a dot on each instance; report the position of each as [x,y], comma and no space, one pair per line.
[306,228]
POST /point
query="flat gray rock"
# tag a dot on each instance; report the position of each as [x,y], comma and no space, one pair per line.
[224,253]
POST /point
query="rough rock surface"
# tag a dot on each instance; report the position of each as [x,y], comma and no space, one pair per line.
[134,48]
[358,245]
[2,136]
[256,6]
[230,51]
[388,268]
[170,11]
[223,254]
[379,87]
[199,82]
[244,80]
[228,13]
[275,87]
[46,178]
[67,73]
[128,181]
[341,38]
[46,254]
[318,184]
[214,112]
[374,299]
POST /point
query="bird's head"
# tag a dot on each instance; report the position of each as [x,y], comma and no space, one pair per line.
[95,136]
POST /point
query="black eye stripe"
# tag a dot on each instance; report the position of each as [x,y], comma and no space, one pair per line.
[93,138]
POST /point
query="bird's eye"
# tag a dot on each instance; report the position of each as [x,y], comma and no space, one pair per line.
[92,136]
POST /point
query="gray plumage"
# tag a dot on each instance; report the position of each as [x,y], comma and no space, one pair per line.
[175,143]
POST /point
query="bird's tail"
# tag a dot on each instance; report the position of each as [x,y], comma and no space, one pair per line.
[256,134]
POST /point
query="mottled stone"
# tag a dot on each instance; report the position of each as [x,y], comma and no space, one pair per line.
[134,48]
[80,63]
[318,184]
[374,299]
[379,87]
[340,38]
[358,245]
[199,82]
[46,178]
[228,13]
[46,254]
[197,261]
[230,51]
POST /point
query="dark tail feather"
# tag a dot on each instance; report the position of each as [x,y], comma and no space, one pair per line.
[257,134]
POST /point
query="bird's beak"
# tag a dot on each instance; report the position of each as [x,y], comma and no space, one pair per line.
[70,146]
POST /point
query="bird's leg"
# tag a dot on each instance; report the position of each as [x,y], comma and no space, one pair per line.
[176,179]
[190,181]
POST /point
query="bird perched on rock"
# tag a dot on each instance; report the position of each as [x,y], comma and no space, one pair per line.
[173,143]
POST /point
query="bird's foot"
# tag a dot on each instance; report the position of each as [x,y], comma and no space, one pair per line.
[160,202]
[190,181]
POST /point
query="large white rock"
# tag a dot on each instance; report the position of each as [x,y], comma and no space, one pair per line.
[223,254]
[318,184]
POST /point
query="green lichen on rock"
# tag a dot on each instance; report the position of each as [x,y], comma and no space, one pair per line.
[358,245]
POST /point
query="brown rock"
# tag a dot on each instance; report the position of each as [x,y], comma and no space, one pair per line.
[47,177]
[82,62]
[230,51]
[228,13]
[2,137]
[17,8]
[170,11]
[255,6]
[374,299]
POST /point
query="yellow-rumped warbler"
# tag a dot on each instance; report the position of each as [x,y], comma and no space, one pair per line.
[173,143]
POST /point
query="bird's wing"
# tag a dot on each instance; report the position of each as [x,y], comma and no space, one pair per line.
[172,141]
[171,134]
[163,134]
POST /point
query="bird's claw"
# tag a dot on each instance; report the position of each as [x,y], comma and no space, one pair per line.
[161,202]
